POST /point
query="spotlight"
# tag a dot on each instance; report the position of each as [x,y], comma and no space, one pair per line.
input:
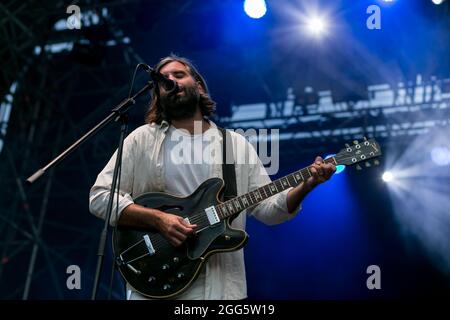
[387,176]
[316,25]
[255,8]
[440,156]
[339,168]
[437,1]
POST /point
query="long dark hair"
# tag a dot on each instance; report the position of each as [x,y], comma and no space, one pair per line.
[155,113]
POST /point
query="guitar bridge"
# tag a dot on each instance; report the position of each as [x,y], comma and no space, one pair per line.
[149,245]
[212,215]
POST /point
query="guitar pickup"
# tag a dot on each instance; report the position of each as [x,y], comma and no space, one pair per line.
[149,245]
[212,215]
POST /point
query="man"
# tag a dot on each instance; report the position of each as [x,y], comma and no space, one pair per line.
[150,163]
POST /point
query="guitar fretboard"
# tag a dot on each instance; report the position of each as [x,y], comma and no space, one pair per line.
[252,198]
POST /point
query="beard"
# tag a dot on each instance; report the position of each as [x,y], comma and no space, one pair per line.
[184,106]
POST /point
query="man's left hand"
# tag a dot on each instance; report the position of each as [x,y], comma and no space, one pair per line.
[320,172]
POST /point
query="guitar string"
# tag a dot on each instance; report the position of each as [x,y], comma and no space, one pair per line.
[196,218]
[161,242]
[200,218]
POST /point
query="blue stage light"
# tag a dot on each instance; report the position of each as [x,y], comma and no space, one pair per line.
[440,156]
[437,1]
[255,8]
[339,168]
[388,176]
[316,25]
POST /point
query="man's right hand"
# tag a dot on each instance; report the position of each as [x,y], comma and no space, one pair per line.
[171,226]
[174,228]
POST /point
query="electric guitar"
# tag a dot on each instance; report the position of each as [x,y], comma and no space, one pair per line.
[158,270]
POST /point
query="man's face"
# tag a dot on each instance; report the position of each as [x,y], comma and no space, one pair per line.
[184,103]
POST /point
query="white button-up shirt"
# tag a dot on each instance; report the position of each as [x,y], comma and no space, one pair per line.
[143,171]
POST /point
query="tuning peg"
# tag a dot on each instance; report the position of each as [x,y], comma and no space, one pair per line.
[358,167]
[347,145]
[355,142]
[365,138]
[368,164]
[376,162]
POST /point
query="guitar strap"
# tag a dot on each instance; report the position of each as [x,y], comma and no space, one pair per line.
[228,168]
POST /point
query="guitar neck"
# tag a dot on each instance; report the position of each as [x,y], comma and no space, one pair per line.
[252,198]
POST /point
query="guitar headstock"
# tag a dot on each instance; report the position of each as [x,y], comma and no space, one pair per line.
[359,152]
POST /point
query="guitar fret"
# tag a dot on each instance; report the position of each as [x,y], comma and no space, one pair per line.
[275,184]
[245,201]
[219,211]
[268,192]
[236,203]
[292,181]
[230,207]
[224,207]
[281,186]
[301,175]
[265,193]
[285,183]
[224,210]
[249,198]
[304,174]
[273,188]
[242,202]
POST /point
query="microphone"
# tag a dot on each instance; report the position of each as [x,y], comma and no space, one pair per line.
[169,85]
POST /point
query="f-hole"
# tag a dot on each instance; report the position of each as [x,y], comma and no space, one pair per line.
[170,208]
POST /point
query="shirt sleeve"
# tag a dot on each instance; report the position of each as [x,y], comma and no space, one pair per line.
[100,191]
[273,210]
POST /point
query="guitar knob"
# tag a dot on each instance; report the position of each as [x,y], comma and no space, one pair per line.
[180,275]
[165,267]
[151,279]
[166,287]
[176,259]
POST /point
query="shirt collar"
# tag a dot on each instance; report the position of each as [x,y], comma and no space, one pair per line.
[164,125]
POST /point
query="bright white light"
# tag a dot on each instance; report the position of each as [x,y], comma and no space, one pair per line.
[316,25]
[255,8]
[440,156]
[418,187]
[387,176]
[437,1]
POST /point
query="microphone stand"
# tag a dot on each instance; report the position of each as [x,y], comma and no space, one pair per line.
[119,113]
